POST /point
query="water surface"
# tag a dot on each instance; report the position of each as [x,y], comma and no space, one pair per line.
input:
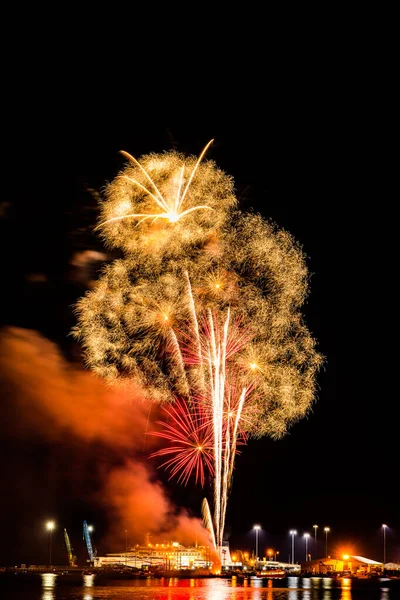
[49,586]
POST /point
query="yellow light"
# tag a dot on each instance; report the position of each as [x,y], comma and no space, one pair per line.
[173,217]
[217,285]
[199,448]
[253,366]
[50,525]
[345,556]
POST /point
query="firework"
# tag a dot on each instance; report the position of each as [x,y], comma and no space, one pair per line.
[203,310]
[191,437]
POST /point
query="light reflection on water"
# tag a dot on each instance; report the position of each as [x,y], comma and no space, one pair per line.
[292,588]
[48,583]
[88,580]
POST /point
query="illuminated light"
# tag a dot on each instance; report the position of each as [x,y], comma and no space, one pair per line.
[173,217]
[200,448]
[218,285]
[253,366]
[50,525]
[345,557]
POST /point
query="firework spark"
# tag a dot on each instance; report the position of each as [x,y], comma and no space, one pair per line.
[192,437]
[205,307]
[171,206]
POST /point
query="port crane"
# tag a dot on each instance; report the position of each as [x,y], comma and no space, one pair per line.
[71,556]
[89,544]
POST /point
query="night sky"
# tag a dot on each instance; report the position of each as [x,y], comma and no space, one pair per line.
[325,175]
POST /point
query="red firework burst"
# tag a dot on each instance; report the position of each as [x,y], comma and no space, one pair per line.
[190,431]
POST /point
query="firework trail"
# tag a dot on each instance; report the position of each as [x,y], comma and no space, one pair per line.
[204,311]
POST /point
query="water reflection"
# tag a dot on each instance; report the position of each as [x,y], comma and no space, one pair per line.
[346,589]
[385,593]
[292,583]
[48,583]
[291,588]
[306,583]
[88,580]
[327,585]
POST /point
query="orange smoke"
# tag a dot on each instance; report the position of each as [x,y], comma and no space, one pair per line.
[53,397]
[141,504]
[50,389]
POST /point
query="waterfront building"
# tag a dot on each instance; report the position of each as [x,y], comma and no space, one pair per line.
[352,565]
[168,556]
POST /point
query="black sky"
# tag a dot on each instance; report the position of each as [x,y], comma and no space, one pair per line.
[322,169]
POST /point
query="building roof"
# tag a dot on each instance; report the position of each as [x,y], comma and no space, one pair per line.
[366,561]
[392,565]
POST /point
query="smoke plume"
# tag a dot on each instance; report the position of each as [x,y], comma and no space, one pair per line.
[61,403]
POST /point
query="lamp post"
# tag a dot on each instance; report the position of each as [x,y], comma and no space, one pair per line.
[126,546]
[50,526]
[276,554]
[384,527]
[306,536]
[293,532]
[257,529]
[327,530]
[315,540]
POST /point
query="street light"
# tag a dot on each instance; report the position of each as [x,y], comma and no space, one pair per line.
[276,553]
[126,546]
[293,532]
[306,536]
[257,528]
[315,540]
[384,527]
[327,530]
[50,526]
